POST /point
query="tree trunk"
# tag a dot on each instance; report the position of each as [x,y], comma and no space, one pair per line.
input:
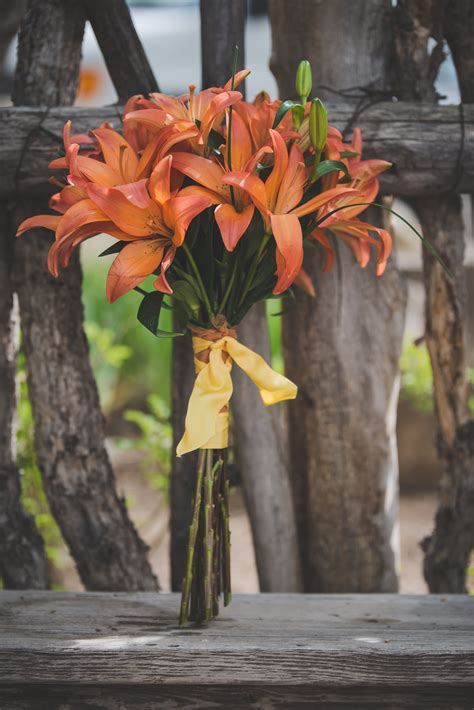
[22,558]
[448,549]
[260,450]
[69,435]
[342,348]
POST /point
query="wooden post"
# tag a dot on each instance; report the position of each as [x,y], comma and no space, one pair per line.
[448,549]
[69,436]
[22,558]
[120,45]
[342,347]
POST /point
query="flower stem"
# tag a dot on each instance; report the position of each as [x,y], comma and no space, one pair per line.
[197,274]
[253,268]
[224,510]
[229,286]
[193,530]
[208,536]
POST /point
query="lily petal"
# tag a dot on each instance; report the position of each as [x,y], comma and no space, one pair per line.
[47,221]
[304,282]
[241,142]
[183,209]
[127,216]
[250,184]
[316,202]
[216,107]
[118,154]
[292,184]
[161,284]
[80,214]
[204,171]
[239,77]
[288,235]
[132,265]
[160,181]
[319,236]
[232,224]
[153,118]
[280,166]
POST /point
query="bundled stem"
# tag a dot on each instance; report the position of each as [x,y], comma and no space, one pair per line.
[208,559]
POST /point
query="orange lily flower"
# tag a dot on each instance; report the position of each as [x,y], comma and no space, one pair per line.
[156,220]
[204,110]
[234,212]
[345,224]
[153,219]
[278,200]
[259,117]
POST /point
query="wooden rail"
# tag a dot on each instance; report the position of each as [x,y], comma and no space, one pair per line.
[429,150]
[120,650]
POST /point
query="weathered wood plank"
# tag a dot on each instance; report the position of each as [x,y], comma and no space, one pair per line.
[423,142]
[124,650]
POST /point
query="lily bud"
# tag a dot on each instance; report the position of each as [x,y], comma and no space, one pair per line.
[304,80]
[318,125]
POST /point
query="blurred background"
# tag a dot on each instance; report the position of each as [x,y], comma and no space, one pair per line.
[133,368]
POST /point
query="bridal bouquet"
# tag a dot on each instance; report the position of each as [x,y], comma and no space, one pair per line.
[215,199]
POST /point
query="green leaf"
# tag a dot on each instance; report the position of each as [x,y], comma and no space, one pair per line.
[348,154]
[114,248]
[149,311]
[169,333]
[283,110]
[298,114]
[186,293]
[329,166]
[215,140]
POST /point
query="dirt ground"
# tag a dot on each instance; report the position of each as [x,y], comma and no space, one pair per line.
[149,512]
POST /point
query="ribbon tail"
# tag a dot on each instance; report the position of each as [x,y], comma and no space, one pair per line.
[206,425]
[272,386]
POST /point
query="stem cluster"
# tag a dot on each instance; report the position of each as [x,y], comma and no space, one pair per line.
[207,573]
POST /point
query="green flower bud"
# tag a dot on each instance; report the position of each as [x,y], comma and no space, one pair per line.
[304,80]
[318,125]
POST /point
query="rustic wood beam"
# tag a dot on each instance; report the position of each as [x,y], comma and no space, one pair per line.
[429,149]
[266,651]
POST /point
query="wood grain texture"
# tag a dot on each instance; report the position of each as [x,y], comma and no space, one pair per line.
[261,438]
[69,432]
[342,347]
[422,142]
[265,651]
[22,557]
[120,45]
[448,549]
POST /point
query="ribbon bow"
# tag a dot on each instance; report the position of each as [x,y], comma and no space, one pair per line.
[207,418]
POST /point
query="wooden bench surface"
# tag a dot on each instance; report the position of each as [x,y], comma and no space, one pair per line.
[116,650]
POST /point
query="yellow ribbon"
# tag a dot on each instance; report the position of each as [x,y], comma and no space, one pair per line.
[207,426]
